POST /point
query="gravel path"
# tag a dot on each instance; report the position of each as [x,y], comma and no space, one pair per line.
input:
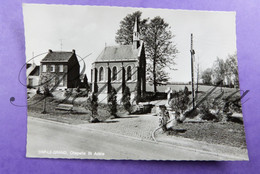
[139,126]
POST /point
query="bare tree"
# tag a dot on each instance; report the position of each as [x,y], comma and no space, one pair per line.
[47,81]
[219,71]
[160,50]
[206,76]
[232,70]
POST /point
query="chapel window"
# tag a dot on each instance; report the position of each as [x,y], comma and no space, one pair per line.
[101,74]
[129,73]
[114,73]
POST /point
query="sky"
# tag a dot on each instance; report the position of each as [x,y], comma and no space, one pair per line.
[87,29]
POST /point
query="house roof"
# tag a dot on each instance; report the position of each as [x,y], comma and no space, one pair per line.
[57,56]
[118,53]
[28,65]
[35,71]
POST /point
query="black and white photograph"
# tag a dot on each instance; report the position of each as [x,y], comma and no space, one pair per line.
[130,83]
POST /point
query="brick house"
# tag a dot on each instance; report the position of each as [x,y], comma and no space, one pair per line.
[62,68]
[120,66]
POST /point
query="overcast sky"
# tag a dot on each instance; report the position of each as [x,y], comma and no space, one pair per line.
[88,28]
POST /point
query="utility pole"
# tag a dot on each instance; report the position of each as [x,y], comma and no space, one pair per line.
[192,74]
[198,74]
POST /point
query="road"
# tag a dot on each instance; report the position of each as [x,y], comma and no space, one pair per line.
[46,139]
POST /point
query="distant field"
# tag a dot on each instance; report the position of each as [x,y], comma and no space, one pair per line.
[202,88]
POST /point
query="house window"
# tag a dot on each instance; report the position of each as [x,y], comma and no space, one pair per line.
[60,68]
[52,68]
[101,74]
[129,73]
[44,68]
[114,73]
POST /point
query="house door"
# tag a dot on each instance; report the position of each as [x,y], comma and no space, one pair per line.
[30,82]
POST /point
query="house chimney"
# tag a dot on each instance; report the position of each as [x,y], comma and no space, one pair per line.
[73,51]
[50,51]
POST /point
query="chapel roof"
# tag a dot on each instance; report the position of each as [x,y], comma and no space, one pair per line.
[119,53]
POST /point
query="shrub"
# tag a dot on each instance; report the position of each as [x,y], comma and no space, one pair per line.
[38,91]
[126,99]
[137,98]
[112,102]
[78,89]
[180,101]
[47,92]
[68,93]
[204,109]
[92,106]
[234,104]
[84,94]
[216,109]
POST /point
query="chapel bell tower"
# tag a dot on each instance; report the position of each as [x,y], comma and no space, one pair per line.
[136,35]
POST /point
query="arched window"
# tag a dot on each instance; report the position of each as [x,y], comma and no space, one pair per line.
[101,74]
[129,73]
[114,73]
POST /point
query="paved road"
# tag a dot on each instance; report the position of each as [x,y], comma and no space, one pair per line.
[48,139]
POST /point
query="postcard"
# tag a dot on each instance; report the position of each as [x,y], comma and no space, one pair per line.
[132,83]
